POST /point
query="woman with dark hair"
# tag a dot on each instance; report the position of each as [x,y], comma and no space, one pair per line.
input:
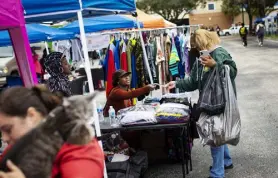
[120,96]
[21,110]
[58,68]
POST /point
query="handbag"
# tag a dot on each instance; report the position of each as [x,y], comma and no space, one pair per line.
[212,98]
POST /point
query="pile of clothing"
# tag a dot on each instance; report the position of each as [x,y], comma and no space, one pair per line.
[169,113]
[174,108]
[181,98]
[137,115]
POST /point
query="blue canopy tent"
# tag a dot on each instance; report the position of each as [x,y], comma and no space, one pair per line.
[258,20]
[110,5]
[96,24]
[42,11]
[38,33]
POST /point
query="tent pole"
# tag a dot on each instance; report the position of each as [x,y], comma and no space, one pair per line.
[89,77]
[87,65]
[144,51]
[46,47]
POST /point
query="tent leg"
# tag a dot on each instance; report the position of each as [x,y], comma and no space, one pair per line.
[144,52]
[46,47]
[89,77]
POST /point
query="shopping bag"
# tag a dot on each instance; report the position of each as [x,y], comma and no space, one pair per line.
[223,128]
[212,99]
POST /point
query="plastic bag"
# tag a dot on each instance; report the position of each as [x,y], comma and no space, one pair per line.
[212,99]
[223,128]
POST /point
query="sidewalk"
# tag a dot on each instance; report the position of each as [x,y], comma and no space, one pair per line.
[250,38]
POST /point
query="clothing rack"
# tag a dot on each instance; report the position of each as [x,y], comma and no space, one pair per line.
[142,41]
[145,30]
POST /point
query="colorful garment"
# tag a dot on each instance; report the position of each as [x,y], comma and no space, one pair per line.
[159,61]
[179,44]
[174,60]
[117,55]
[167,44]
[139,64]
[124,63]
[110,68]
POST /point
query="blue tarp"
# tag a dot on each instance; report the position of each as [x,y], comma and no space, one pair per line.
[32,7]
[116,5]
[258,20]
[38,33]
[96,24]
[99,7]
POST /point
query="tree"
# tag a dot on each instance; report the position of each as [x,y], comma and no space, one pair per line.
[230,10]
[265,6]
[169,9]
[252,7]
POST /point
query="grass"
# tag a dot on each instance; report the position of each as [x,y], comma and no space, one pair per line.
[271,37]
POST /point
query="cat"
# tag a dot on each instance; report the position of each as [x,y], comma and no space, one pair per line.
[35,152]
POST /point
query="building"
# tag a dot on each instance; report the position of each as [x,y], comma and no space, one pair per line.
[210,15]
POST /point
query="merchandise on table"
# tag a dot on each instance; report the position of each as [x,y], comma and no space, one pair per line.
[173,113]
[181,98]
[149,100]
[137,115]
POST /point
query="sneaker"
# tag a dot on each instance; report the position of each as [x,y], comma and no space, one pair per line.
[226,167]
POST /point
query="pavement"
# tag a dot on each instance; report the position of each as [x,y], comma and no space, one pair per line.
[256,155]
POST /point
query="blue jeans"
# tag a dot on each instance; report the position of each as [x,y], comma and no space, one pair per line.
[221,157]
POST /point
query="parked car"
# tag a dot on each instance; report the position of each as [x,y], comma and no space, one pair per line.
[8,64]
[232,30]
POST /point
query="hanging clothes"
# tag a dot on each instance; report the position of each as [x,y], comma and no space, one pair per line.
[181,67]
[185,40]
[117,55]
[150,53]
[174,60]
[109,67]
[77,55]
[124,63]
[129,50]
[64,47]
[139,64]
[159,60]
[167,44]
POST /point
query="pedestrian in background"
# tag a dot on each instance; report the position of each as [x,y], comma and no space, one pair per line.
[243,34]
[59,69]
[218,29]
[260,30]
[37,64]
[205,40]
